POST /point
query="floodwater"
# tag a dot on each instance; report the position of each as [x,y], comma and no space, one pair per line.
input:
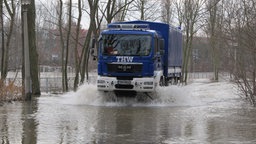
[198,113]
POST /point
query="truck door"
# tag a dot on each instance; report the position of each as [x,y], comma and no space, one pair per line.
[157,54]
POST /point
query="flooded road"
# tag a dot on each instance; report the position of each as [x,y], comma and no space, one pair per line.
[197,113]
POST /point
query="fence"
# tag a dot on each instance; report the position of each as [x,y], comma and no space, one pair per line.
[208,75]
[52,82]
[200,75]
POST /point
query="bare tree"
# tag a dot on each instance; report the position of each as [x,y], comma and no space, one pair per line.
[47,33]
[179,7]
[213,33]
[11,9]
[115,9]
[245,59]
[65,38]
[60,24]
[111,6]
[93,4]
[167,11]
[145,10]
[122,9]
[189,13]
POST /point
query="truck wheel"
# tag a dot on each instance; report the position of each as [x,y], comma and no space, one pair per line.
[161,83]
[166,82]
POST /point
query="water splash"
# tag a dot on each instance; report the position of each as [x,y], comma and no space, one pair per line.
[87,94]
[195,94]
[175,95]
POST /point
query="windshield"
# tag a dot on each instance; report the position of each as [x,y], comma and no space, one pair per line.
[128,45]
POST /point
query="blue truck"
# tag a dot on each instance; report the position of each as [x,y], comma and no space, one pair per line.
[138,56]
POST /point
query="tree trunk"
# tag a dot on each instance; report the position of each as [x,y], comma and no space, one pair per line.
[142,10]
[254,82]
[68,44]
[77,63]
[3,36]
[5,50]
[185,57]
[33,50]
[212,8]
[64,79]
[85,54]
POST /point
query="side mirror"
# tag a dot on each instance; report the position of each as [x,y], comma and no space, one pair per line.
[161,46]
[92,46]
[162,52]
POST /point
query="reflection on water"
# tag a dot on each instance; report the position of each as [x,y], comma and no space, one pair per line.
[18,123]
[59,119]
[43,121]
[29,122]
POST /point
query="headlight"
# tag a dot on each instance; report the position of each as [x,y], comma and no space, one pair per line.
[148,83]
[101,81]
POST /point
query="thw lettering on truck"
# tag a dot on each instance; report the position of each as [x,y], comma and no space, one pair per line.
[124,59]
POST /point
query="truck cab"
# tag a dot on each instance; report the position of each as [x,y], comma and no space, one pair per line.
[133,56]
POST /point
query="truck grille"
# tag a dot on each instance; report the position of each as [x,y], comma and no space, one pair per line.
[125,68]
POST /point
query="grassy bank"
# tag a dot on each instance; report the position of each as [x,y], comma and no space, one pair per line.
[10,92]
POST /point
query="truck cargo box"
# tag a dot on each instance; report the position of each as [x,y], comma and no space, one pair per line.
[175,48]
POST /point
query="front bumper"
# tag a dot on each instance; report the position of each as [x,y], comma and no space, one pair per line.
[137,84]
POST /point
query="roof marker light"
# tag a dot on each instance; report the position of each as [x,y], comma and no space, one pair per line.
[128,26]
[113,26]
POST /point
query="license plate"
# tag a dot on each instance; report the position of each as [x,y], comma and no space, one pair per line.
[124,67]
[124,82]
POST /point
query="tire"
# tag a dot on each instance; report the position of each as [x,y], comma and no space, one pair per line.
[166,82]
[161,82]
